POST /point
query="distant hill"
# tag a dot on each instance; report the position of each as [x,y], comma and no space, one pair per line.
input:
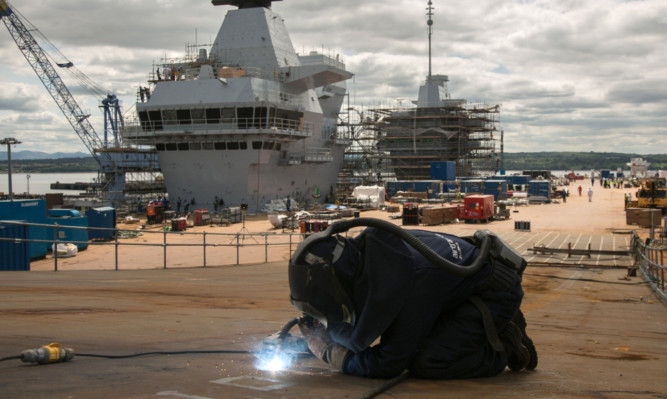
[17,155]
[41,162]
[578,160]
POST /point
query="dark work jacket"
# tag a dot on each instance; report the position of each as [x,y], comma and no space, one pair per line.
[398,296]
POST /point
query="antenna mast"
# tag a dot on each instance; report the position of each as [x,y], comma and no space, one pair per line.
[430,33]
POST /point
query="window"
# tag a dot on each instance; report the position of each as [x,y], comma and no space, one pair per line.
[198,116]
[171,146]
[169,116]
[156,119]
[257,145]
[243,145]
[195,146]
[159,147]
[268,145]
[183,147]
[213,115]
[207,146]
[184,117]
[220,145]
[233,145]
[228,115]
[245,117]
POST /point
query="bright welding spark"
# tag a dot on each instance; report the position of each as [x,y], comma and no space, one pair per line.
[273,361]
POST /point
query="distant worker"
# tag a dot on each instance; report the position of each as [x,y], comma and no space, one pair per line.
[287,204]
[186,206]
[563,194]
[178,205]
[215,203]
[590,194]
[579,189]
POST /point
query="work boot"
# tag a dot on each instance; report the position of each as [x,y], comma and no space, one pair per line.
[518,356]
[520,322]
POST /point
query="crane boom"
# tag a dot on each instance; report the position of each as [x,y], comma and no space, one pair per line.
[52,81]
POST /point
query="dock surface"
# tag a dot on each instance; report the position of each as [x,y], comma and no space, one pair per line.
[599,333]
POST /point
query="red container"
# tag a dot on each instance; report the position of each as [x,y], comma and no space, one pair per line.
[201,217]
[478,207]
[178,224]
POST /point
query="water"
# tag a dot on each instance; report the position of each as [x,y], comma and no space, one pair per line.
[40,182]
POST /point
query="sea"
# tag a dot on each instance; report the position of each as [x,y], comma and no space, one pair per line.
[40,183]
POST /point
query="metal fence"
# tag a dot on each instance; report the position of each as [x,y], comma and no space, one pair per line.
[233,245]
[649,257]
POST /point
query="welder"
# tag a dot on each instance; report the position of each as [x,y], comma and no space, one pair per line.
[390,300]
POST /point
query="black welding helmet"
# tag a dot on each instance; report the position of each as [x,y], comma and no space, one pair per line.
[314,287]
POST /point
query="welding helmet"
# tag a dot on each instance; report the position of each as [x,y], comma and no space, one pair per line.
[314,287]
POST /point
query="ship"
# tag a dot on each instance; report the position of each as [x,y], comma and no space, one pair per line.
[247,120]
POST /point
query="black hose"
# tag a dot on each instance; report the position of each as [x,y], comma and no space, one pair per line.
[194,352]
[409,238]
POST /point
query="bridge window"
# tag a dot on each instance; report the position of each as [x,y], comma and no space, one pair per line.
[256,145]
[183,147]
[198,116]
[169,116]
[155,119]
[213,115]
[184,117]
[220,145]
[207,146]
[171,146]
[159,147]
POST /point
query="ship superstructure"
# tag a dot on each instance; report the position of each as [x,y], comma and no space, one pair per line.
[248,122]
[438,128]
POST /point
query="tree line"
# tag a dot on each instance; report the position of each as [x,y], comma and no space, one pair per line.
[513,161]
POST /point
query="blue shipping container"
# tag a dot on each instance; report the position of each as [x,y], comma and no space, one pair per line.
[472,186]
[540,188]
[605,174]
[30,211]
[102,218]
[58,213]
[497,188]
[14,255]
[443,170]
[69,235]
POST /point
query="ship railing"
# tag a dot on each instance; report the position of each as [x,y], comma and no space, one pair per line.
[136,130]
[159,248]
[649,259]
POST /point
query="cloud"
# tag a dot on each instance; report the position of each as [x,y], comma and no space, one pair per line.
[570,75]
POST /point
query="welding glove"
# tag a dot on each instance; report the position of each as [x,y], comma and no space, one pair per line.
[320,343]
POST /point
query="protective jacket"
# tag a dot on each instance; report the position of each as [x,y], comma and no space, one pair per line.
[412,306]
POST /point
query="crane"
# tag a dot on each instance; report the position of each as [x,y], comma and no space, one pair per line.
[114,162]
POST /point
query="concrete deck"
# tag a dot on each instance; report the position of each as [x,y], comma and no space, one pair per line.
[599,334]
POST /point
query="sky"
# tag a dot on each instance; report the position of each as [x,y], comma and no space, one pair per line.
[570,75]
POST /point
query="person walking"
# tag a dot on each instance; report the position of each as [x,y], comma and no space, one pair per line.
[579,189]
[590,194]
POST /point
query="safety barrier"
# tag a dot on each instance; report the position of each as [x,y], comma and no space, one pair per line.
[231,245]
[649,257]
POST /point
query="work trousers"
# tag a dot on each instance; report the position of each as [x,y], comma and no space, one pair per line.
[458,346]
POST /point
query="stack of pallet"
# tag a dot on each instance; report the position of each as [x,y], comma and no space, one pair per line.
[439,215]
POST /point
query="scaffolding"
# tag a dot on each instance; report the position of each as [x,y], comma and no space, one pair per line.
[455,131]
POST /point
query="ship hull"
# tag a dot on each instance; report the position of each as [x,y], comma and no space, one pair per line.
[249,177]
